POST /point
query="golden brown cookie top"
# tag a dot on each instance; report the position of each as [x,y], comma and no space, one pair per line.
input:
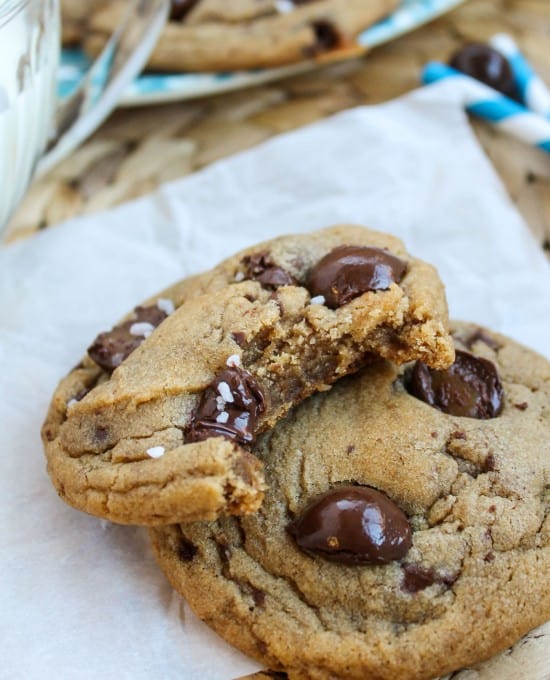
[222,357]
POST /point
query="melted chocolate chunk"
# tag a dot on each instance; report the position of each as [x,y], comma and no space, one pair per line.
[470,388]
[349,271]
[353,525]
[260,267]
[486,65]
[180,9]
[416,578]
[110,349]
[229,407]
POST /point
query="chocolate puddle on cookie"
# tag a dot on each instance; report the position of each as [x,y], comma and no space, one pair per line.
[353,525]
[470,388]
[229,407]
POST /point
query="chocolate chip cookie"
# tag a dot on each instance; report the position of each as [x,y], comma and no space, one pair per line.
[405,532]
[216,35]
[155,425]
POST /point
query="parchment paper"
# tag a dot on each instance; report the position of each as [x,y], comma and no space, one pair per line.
[81,598]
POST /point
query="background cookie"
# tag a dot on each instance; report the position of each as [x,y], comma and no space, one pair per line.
[150,427]
[474,490]
[215,35]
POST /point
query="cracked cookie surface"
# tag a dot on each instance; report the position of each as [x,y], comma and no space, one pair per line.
[152,427]
[475,491]
[216,35]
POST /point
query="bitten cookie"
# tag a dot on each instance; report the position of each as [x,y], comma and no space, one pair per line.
[401,537]
[216,35]
[153,426]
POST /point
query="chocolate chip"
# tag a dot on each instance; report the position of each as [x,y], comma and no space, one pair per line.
[349,271]
[416,578]
[326,37]
[260,267]
[258,596]
[479,335]
[470,388]
[490,462]
[49,434]
[486,65]
[180,9]
[229,407]
[239,337]
[101,434]
[110,349]
[353,525]
[186,550]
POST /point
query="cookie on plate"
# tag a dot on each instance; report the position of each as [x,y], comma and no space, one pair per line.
[216,35]
[155,424]
[401,536]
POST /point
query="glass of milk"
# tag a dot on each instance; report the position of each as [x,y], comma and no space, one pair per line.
[29,56]
[31,117]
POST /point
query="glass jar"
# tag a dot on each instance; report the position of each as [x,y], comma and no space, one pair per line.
[29,58]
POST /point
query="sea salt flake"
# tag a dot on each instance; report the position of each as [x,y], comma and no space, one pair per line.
[317,300]
[156,451]
[220,403]
[225,392]
[222,418]
[142,328]
[239,276]
[72,402]
[284,6]
[234,361]
[166,306]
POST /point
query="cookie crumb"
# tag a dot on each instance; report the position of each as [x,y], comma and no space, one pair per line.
[522,407]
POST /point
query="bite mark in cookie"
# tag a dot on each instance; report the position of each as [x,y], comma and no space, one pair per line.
[230,361]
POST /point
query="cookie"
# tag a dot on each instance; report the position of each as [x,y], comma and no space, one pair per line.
[398,539]
[154,426]
[215,35]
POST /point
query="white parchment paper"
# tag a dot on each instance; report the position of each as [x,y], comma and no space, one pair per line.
[81,598]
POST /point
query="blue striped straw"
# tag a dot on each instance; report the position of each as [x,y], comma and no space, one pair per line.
[533,91]
[492,106]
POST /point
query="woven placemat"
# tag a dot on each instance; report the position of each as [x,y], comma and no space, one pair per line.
[138,149]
